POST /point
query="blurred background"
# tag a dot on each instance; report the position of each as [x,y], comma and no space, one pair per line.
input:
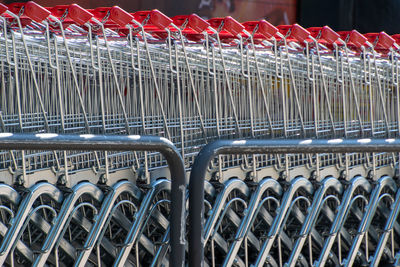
[363,15]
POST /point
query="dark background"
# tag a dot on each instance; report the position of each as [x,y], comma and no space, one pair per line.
[362,15]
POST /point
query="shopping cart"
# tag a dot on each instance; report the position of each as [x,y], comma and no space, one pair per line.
[68,70]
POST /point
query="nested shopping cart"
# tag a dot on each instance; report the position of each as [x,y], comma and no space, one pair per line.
[66,70]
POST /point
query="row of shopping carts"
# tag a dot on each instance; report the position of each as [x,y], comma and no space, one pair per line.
[68,70]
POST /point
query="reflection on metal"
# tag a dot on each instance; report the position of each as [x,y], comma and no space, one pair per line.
[273,223]
[88,220]
[329,222]
[70,197]
[348,199]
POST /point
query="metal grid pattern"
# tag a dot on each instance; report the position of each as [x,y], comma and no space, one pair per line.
[67,70]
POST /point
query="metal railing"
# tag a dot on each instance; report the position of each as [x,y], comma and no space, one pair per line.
[9,141]
[223,147]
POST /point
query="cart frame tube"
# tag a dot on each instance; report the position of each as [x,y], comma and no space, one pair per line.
[308,146]
[49,141]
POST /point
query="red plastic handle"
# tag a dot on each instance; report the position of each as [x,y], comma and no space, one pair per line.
[385,41]
[179,20]
[36,12]
[267,29]
[100,13]
[3,8]
[215,22]
[284,29]
[159,19]
[396,37]
[329,35]
[120,16]
[15,7]
[232,26]
[58,11]
[79,14]
[357,38]
[299,33]
[315,31]
[140,16]
[250,25]
[198,24]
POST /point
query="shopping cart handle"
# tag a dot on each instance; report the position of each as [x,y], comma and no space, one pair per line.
[197,24]
[325,34]
[396,37]
[329,35]
[299,33]
[180,20]
[58,11]
[36,12]
[101,13]
[120,16]
[267,29]
[385,41]
[193,22]
[232,26]
[159,19]
[357,39]
[3,8]
[79,14]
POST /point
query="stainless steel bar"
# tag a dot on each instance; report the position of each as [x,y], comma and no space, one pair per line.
[196,190]
[118,143]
